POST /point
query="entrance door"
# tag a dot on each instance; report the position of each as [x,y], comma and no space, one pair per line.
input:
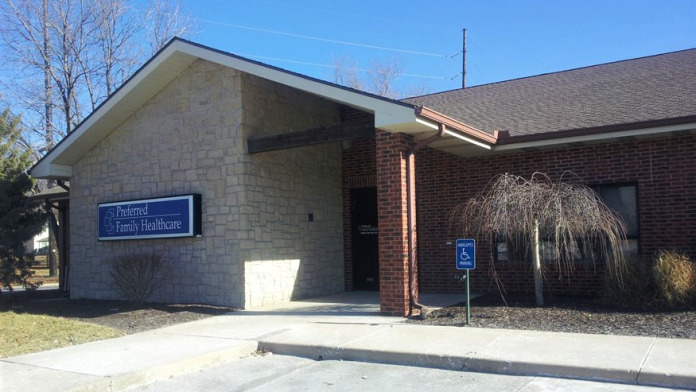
[363,216]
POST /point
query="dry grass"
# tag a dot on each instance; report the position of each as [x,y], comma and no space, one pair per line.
[26,333]
[675,276]
[43,275]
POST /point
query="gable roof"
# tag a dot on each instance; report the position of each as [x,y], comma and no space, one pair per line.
[647,91]
[174,58]
[633,98]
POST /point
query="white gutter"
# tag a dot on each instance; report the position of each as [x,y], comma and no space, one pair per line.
[596,137]
[467,139]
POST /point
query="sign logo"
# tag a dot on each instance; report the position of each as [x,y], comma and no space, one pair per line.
[166,217]
[466,254]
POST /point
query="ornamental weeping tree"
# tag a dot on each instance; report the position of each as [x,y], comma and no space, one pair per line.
[568,216]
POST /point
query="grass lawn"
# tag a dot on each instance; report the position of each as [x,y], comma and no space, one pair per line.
[27,333]
[42,272]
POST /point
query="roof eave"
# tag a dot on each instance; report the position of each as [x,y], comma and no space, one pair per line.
[465,130]
[597,134]
[165,66]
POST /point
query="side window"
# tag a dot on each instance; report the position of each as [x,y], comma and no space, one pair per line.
[623,199]
[512,248]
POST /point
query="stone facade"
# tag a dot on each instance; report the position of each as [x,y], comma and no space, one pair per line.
[190,138]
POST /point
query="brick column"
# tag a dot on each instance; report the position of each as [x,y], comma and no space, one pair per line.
[393,225]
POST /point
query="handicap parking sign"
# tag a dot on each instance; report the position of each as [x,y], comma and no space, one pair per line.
[466,254]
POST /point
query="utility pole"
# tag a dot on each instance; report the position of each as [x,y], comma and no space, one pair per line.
[464,58]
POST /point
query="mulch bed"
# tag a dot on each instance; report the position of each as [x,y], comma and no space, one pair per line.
[575,315]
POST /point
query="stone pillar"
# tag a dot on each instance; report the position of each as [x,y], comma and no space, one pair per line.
[393,225]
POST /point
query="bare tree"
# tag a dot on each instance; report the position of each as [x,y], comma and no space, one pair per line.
[113,54]
[380,79]
[345,72]
[164,21]
[45,55]
[570,217]
[27,48]
[70,55]
[383,75]
[73,23]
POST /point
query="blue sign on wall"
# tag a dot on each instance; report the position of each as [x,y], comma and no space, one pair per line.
[165,217]
[466,254]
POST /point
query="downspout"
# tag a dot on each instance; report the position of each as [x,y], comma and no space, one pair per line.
[411,219]
[61,239]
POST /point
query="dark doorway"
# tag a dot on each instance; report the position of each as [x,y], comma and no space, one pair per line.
[363,217]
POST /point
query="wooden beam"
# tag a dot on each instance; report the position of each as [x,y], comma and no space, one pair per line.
[309,137]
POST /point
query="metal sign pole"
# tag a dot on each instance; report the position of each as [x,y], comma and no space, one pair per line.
[468,306]
[466,260]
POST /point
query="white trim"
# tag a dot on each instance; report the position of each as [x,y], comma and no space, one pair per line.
[386,113]
[390,115]
[165,67]
[467,139]
[51,170]
[428,124]
[596,137]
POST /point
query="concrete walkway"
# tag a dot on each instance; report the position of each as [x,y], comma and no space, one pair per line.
[349,327]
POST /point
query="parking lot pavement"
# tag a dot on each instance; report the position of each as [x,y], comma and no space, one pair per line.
[279,373]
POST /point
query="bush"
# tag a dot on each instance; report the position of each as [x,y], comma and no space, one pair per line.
[634,288]
[16,268]
[138,276]
[675,277]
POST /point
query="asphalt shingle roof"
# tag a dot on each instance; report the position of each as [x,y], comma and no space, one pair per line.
[632,91]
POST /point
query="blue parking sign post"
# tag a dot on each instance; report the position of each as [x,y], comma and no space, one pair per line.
[466,260]
[466,254]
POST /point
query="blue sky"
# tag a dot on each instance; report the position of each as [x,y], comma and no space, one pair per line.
[505,39]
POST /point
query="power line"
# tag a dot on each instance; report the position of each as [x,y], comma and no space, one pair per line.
[333,66]
[348,43]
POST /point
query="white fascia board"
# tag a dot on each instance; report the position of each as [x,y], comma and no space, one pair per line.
[386,113]
[596,137]
[96,126]
[52,170]
[167,64]
[387,120]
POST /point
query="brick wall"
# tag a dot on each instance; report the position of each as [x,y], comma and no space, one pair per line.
[393,228]
[664,170]
[358,171]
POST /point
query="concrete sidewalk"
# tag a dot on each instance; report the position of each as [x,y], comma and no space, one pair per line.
[349,327]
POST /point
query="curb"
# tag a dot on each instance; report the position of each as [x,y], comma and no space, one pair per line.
[473,363]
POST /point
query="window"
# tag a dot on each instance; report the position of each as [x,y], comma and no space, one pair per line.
[624,200]
[620,198]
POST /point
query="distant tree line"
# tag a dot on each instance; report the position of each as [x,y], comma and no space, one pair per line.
[62,58]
